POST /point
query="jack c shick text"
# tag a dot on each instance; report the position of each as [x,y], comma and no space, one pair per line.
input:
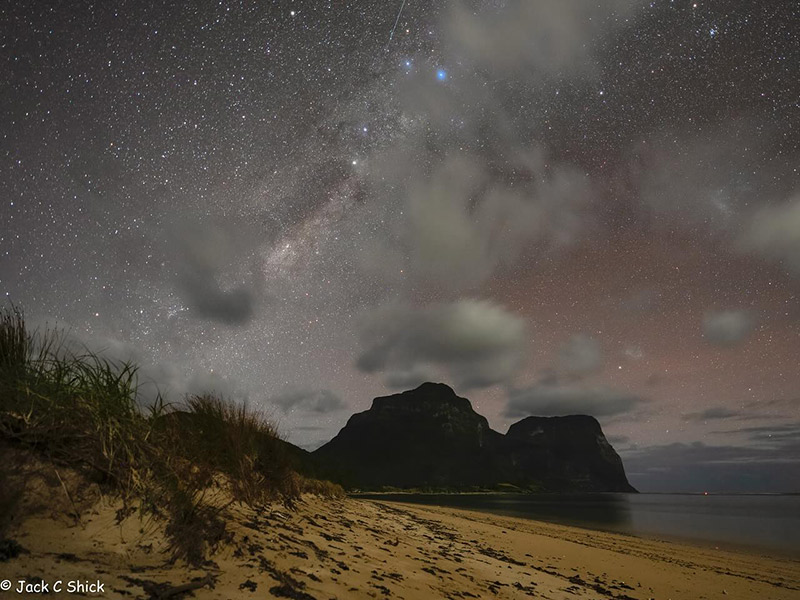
[73,586]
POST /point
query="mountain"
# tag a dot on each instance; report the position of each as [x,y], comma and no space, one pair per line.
[423,437]
[431,438]
[566,453]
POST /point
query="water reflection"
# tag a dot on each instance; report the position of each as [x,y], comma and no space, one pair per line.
[759,522]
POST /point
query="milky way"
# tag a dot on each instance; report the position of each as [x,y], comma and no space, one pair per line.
[553,206]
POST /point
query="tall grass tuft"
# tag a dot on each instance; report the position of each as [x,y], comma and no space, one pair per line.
[81,410]
[217,436]
[76,408]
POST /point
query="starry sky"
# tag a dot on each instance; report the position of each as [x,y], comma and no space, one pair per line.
[556,207]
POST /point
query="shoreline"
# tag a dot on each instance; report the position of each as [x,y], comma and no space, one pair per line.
[749,547]
[659,552]
[386,550]
[522,493]
[699,543]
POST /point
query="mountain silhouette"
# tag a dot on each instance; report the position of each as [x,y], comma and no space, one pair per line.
[430,438]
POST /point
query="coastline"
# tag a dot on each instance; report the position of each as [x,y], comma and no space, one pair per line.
[631,515]
[356,548]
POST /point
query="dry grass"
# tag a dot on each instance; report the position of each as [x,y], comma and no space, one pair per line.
[81,411]
[320,487]
[217,436]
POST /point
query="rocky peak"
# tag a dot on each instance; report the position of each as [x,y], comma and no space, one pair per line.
[431,437]
[433,400]
[555,427]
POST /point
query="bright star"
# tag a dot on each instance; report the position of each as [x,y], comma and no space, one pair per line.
[441,74]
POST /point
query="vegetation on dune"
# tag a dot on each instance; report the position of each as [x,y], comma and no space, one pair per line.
[80,410]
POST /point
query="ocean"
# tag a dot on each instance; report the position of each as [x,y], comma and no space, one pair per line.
[759,523]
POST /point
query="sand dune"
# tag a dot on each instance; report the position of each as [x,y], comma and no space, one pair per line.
[351,548]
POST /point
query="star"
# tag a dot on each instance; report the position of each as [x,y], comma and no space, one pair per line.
[207,193]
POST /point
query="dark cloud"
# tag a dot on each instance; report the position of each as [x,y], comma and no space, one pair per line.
[770,428]
[697,467]
[777,435]
[767,433]
[209,301]
[209,261]
[618,440]
[580,355]
[477,343]
[312,401]
[554,400]
[773,403]
[727,327]
[714,413]
[750,412]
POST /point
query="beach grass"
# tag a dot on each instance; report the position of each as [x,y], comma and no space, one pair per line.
[82,411]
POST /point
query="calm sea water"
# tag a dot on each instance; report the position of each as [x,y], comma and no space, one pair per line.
[761,523]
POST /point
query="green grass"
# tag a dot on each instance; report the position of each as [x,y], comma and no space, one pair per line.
[82,411]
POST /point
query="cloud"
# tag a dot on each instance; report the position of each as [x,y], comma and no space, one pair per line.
[697,467]
[466,218]
[774,232]
[174,380]
[767,433]
[170,379]
[642,301]
[727,327]
[709,181]
[714,413]
[581,354]
[776,434]
[618,440]
[231,307]
[554,400]
[314,401]
[208,255]
[409,379]
[468,188]
[477,343]
[547,36]
[634,352]
[775,403]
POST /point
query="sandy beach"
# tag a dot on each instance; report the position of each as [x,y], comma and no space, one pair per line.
[350,548]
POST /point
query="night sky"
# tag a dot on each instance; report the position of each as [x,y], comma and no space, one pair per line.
[554,206]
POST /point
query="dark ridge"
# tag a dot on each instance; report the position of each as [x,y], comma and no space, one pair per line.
[431,438]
